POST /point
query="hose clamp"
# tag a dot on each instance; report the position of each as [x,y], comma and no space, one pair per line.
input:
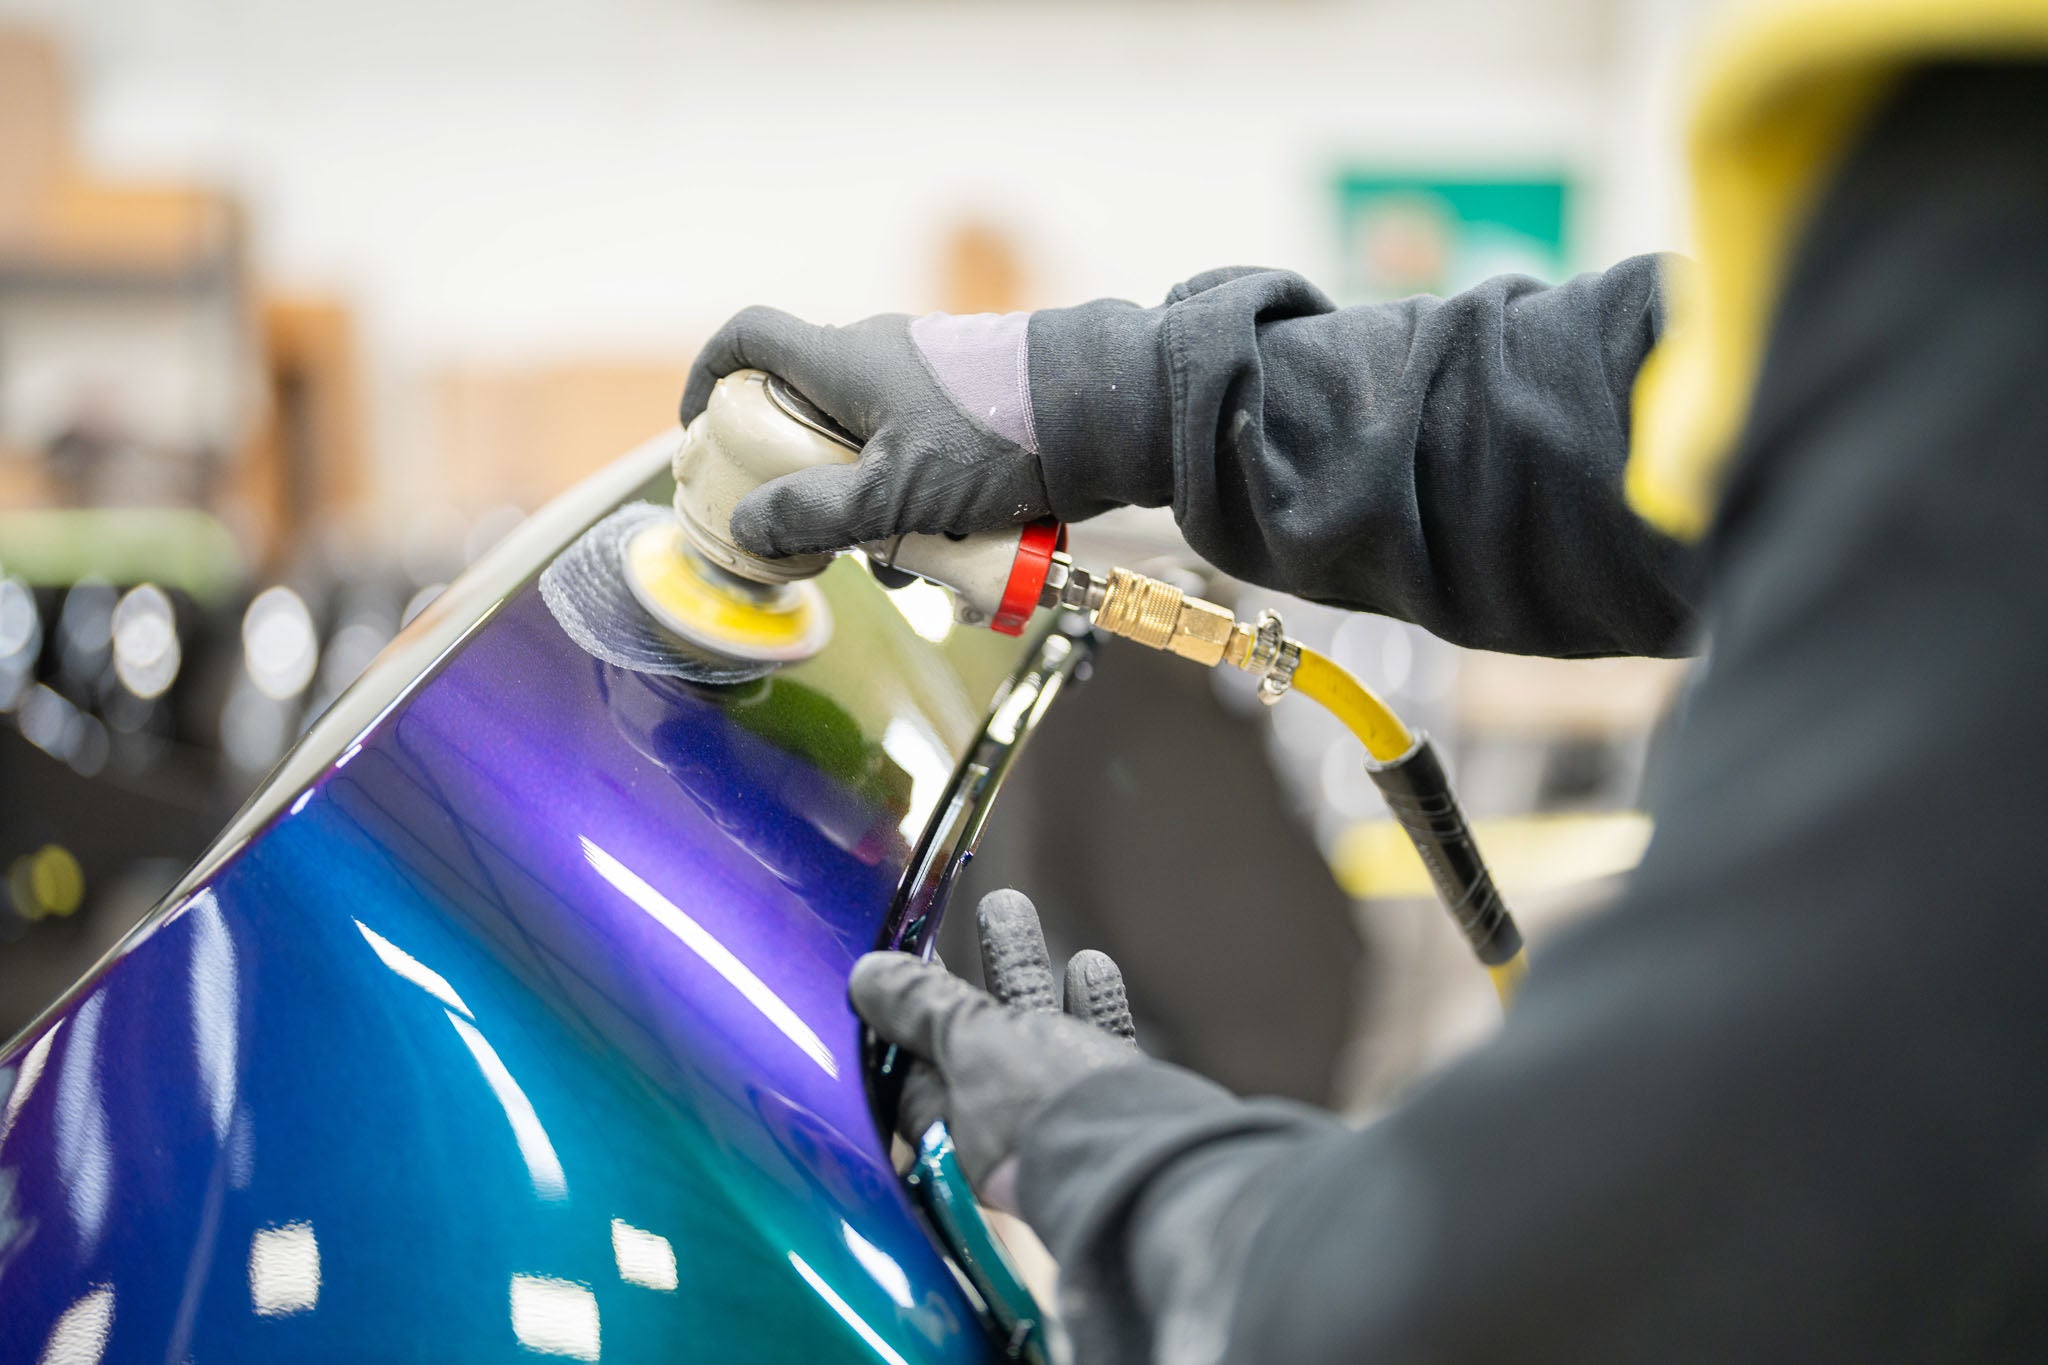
[1273,657]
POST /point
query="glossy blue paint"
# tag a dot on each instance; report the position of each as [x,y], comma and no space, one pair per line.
[520,1030]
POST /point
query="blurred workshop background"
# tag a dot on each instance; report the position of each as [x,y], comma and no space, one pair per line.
[303,305]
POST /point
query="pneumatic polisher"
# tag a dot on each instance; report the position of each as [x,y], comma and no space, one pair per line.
[696,580]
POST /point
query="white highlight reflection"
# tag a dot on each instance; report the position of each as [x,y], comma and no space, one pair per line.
[554,1317]
[51,723]
[927,607]
[83,1158]
[146,649]
[80,1336]
[881,1265]
[284,1270]
[645,1258]
[413,970]
[21,626]
[542,1164]
[845,1310]
[242,1152]
[918,752]
[214,1030]
[32,1064]
[715,954]
[279,646]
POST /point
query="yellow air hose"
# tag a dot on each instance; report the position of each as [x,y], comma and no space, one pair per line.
[1403,764]
[1350,701]
[1376,726]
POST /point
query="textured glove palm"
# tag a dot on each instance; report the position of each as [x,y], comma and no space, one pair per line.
[988,1061]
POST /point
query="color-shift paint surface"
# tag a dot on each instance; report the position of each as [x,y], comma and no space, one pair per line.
[520,1033]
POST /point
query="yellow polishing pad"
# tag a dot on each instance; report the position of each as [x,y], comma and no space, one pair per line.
[778,624]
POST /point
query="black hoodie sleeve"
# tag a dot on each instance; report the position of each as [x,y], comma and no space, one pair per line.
[1456,462]
[1786,1101]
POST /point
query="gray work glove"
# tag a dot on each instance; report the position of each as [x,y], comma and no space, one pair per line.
[941,403]
[987,1062]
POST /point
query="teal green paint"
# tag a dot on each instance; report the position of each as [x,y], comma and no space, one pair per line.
[949,1202]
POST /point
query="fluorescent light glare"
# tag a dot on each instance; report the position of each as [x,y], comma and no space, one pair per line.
[645,1258]
[845,1311]
[880,1264]
[715,954]
[284,1270]
[413,970]
[542,1165]
[555,1317]
[80,1336]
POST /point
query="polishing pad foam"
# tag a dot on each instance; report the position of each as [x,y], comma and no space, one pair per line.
[586,592]
[760,624]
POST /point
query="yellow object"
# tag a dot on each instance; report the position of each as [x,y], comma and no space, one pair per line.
[46,882]
[777,625]
[1528,854]
[1507,977]
[1363,714]
[1787,85]
[1387,740]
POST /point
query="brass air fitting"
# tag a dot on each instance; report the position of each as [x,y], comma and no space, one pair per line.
[1161,616]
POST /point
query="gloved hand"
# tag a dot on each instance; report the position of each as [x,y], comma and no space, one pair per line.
[987,1062]
[942,404]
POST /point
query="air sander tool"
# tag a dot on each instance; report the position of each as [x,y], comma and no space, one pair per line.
[694,579]
[747,615]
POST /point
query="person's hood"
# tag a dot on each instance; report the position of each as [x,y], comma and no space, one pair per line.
[1785,87]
